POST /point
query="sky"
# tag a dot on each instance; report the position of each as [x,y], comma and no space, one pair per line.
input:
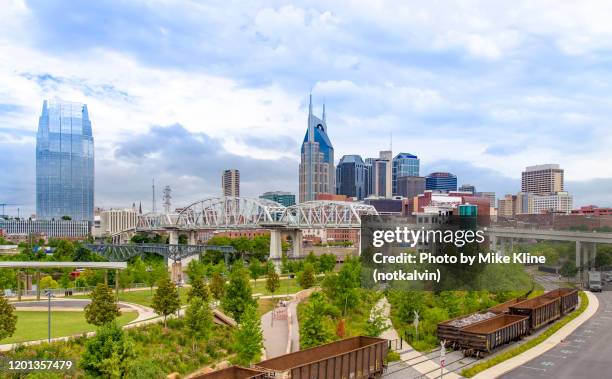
[181,90]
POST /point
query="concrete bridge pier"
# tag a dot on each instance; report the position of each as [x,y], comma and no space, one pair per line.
[192,237]
[174,267]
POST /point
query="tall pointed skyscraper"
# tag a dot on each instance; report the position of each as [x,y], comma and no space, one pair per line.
[64,162]
[317,174]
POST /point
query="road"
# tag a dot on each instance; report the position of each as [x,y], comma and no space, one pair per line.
[584,354]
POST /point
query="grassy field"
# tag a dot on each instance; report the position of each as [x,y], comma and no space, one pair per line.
[287,286]
[266,305]
[32,325]
[142,297]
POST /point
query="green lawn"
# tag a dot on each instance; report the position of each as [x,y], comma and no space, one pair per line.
[287,286]
[142,297]
[32,325]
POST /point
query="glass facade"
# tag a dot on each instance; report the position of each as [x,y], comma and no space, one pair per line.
[285,198]
[404,164]
[351,177]
[64,162]
[441,181]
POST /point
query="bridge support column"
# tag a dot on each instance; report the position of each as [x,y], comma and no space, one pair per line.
[593,253]
[192,237]
[173,237]
[276,248]
[296,238]
[578,254]
[176,271]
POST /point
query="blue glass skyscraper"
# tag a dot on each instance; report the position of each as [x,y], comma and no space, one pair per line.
[404,164]
[64,162]
[351,177]
[441,181]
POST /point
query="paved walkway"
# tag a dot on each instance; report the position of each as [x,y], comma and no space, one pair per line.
[275,333]
[412,364]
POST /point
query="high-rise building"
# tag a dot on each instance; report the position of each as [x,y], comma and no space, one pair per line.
[441,181]
[317,174]
[410,186]
[285,198]
[351,177]
[404,164]
[467,188]
[560,202]
[542,179]
[381,174]
[488,195]
[64,162]
[230,182]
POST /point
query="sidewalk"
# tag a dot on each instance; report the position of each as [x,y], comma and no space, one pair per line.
[275,333]
[424,367]
[543,347]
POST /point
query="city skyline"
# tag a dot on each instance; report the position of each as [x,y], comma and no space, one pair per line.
[480,99]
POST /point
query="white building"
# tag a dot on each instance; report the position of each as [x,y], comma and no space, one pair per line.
[116,220]
[557,202]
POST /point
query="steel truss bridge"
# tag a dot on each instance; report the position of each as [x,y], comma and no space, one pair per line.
[228,212]
[123,252]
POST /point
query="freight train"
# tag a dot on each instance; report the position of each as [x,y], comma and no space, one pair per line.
[482,332]
[358,357]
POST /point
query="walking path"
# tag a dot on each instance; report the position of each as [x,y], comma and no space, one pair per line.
[412,364]
[275,333]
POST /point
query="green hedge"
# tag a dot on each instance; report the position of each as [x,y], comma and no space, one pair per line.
[468,373]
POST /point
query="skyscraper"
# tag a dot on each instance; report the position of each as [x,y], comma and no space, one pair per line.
[351,177]
[381,174]
[230,182]
[542,179]
[467,188]
[317,174]
[410,186]
[285,198]
[441,181]
[404,164]
[64,162]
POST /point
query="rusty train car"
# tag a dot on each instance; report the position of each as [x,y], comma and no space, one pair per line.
[358,357]
[515,319]
[449,330]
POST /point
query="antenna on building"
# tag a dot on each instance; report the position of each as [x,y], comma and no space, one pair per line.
[167,197]
[324,111]
[153,188]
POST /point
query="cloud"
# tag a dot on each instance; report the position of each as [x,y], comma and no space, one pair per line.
[466,83]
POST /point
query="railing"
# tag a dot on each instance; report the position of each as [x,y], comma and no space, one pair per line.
[57,292]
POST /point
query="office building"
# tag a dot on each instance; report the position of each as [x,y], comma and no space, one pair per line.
[47,228]
[285,198]
[117,220]
[542,179]
[410,186]
[381,174]
[64,162]
[488,195]
[404,164]
[351,177]
[441,181]
[467,188]
[230,183]
[506,206]
[316,172]
[560,202]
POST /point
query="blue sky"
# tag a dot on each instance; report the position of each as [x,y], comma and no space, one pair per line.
[182,90]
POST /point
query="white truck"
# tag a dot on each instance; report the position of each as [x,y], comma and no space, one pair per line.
[595,281]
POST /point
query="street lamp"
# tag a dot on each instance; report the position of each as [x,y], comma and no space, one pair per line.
[49,295]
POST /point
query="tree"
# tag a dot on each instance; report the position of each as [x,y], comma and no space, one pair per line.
[66,218]
[238,295]
[272,281]
[313,332]
[109,353]
[198,289]
[8,318]
[154,273]
[102,309]
[376,324]
[248,337]
[568,269]
[48,282]
[242,245]
[166,299]
[307,277]
[217,285]
[198,320]
[196,269]
[255,269]
[327,262]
